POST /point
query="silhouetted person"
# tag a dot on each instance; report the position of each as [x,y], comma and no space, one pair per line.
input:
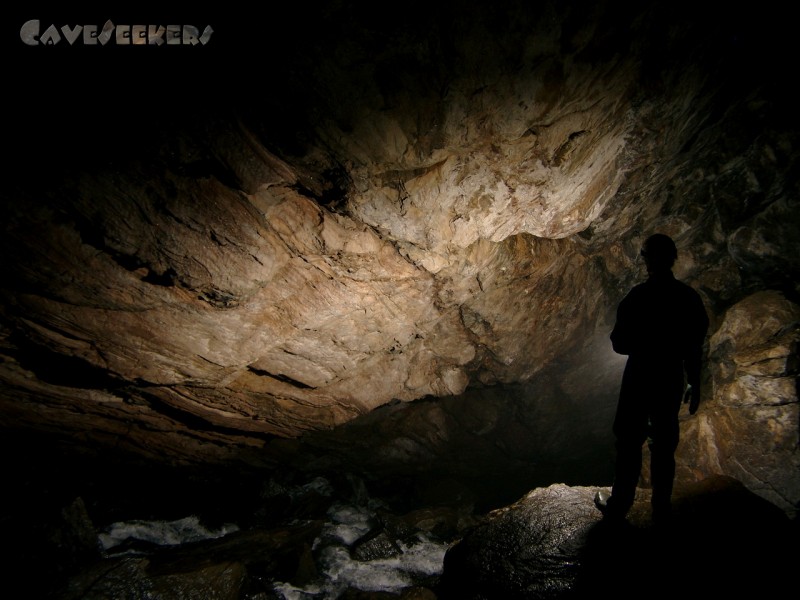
[661,325]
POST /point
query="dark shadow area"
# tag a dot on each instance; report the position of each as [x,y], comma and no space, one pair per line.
[723,540]
[486,447]
[56,502]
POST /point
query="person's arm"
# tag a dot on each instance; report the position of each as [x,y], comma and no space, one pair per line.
[693,361]
[621,334]
[693,365]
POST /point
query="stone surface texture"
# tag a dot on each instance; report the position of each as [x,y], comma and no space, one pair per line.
[553,543]
[401,209]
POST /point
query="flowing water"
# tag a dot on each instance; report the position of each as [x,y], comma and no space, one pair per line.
[160,533]
[352,551]
[413,560]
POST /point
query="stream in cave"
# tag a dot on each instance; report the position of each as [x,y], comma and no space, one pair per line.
[65,517]
[328,517]
[352,551]
[371,507]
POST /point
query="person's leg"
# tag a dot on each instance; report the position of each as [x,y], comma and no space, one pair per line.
[628,468]
[663,441]
[662,466]
[630,429]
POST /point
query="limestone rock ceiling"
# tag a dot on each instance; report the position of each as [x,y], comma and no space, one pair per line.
[375,210]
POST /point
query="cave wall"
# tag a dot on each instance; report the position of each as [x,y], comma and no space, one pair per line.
[748,429]
[398,209]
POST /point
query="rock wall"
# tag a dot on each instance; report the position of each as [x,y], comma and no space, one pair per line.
[412,208]
[748,427]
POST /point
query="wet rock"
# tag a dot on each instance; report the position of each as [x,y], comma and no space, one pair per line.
[374,547]
[120,578]
[412,593]
[553,543]
[527,550]
[418,593]
[441,522]
[285,501]
[131,578]
[218,568]
[307,571]
[77,538]
[45,539]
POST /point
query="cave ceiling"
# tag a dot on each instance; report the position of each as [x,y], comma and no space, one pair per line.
[326,211]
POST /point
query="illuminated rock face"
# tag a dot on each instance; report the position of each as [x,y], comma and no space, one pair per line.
[748,428]
[453,203]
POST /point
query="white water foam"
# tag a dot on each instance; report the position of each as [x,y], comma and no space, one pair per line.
[347,525]
[340,571]
[162,533]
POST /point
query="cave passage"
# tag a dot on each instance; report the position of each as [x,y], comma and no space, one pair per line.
[331,292]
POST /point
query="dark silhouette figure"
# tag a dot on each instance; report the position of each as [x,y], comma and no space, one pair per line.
[661,325]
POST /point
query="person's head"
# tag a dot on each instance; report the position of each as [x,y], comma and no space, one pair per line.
[659,252]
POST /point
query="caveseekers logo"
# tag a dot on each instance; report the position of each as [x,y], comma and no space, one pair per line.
[122,35]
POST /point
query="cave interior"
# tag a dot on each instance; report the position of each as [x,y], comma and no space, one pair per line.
[382,246]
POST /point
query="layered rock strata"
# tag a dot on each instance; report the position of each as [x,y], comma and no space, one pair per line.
[418,210]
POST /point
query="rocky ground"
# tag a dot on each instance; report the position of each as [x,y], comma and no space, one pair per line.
[256,537]
[553,543]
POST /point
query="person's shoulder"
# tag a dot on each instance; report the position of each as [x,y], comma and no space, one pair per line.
[640,288]
[636,291]
[686,288]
